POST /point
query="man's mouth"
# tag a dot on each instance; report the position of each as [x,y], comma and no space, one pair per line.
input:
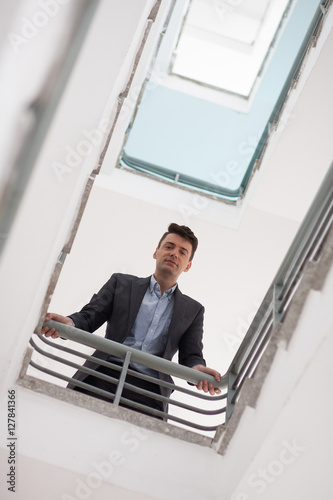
[171,262]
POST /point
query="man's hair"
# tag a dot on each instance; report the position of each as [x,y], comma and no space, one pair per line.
[183,231]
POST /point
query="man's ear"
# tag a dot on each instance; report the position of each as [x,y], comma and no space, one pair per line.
[154,254]
[188,267]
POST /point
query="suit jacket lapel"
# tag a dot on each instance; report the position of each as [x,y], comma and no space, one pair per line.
[138,291]
[179,308]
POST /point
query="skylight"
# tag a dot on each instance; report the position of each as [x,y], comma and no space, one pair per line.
[223,44]
[183,136]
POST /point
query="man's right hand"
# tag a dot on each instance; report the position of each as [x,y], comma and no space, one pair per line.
[52,332]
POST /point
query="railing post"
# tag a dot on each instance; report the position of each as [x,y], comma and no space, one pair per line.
[231,391]
[122,379]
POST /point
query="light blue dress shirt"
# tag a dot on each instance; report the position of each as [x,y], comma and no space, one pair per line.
[151,327]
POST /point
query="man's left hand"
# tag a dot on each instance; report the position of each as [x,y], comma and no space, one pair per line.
[203,384]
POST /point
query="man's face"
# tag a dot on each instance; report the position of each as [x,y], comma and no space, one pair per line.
[173,255]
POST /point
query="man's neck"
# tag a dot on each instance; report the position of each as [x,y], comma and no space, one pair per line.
[165,282]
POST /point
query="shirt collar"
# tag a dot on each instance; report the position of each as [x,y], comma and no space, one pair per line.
[153,283]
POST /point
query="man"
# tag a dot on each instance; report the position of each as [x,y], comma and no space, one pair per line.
[150,314]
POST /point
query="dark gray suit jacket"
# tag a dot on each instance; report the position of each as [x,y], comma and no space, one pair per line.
[118,303]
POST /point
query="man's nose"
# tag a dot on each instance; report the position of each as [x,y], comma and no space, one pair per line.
[174,254]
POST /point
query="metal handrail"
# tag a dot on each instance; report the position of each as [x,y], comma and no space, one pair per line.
[142,376]
[116,349]
[89,371]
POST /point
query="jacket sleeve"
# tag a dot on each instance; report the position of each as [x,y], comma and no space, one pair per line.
[191,346]
[98,310]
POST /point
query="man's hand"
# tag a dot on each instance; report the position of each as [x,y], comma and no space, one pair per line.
[52,332]
[203,384]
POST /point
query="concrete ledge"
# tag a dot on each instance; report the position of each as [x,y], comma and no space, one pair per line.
[50,289]
[297,303]
[154,11]
[80,212]
[325,262]
[251,390]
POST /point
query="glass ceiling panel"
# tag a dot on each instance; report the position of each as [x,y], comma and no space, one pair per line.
[240,21]
[224,45]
